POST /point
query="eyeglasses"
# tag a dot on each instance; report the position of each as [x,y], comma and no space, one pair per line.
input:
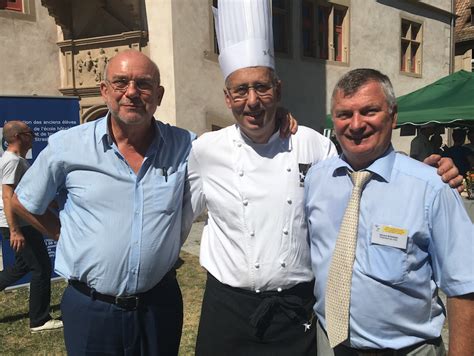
[31,133]
[121,85]
[241,92]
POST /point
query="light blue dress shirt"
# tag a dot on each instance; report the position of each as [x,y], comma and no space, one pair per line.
[120,231]
[394,293]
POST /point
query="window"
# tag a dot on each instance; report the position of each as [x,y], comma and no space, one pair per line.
[325,30]
[309,50]
[216,46]
[410,47]
[14,5]
[472,14]
[281,26]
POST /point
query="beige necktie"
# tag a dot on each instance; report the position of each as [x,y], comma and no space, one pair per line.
[338,289]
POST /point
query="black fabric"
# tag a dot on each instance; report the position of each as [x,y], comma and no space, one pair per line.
[244,323]
[32,258]
[94,327]
[342,350]
[131,302]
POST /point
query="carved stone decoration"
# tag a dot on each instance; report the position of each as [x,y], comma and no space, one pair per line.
[83,61]
[91,70]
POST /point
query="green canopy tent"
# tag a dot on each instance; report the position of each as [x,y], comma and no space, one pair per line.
[448,101]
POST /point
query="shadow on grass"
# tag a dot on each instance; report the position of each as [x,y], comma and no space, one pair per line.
[16,317]
[12,318]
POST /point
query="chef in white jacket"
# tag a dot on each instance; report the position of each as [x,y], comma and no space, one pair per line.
[259,291]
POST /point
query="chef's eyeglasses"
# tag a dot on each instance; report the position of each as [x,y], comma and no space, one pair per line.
[241,92]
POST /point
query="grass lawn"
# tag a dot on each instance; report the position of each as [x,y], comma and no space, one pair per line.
[16,339]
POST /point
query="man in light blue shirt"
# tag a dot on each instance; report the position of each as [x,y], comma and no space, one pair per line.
[119,182]
[414,235]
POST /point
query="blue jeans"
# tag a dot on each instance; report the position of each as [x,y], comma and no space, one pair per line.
[32,258]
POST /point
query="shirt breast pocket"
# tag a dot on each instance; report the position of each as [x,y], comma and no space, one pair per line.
[386,264]
[168,192]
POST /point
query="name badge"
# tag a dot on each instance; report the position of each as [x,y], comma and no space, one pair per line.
[389,236]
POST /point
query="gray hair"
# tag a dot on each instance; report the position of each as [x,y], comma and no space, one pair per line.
[353,80]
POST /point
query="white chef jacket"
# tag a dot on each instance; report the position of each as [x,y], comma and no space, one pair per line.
[256,234]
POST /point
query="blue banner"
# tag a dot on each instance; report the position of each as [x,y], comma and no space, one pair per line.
[45,116]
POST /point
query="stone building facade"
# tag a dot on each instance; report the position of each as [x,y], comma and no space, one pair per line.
[464,35]
[316,41]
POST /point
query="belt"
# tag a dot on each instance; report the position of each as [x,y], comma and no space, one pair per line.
[129,302]
[386,352]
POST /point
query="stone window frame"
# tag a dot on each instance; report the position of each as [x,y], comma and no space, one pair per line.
[411,46]
[12,5]
[27,12]
[212,53]
[312,31]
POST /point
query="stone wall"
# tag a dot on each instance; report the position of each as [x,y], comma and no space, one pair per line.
[29,60]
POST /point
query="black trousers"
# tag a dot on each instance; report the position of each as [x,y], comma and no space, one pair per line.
[32,258]
[237,322]
[94,327]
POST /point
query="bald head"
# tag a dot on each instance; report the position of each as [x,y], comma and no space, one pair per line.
[12,129]
[134,56]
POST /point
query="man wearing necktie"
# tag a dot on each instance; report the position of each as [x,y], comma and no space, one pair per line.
[386,235]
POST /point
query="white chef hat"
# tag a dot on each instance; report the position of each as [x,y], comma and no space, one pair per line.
[244,34]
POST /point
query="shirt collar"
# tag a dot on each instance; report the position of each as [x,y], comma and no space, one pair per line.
[103,132]
[242,137]
[382,166]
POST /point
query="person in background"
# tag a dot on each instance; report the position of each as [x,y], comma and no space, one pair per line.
[31,254]
[459,153]
[421,147]
[470,145]
[436,142]
[470,137]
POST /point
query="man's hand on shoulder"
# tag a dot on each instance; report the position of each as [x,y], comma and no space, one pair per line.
[447,170]
[287,123]
[17,240]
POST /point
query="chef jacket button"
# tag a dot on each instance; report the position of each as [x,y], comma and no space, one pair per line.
[257,265]
[241,173]
[252,233]
[288,169]
[285,231]
[279,290]
[257,290]
[245,202]
[283,264]
[288,201]
[239,145]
